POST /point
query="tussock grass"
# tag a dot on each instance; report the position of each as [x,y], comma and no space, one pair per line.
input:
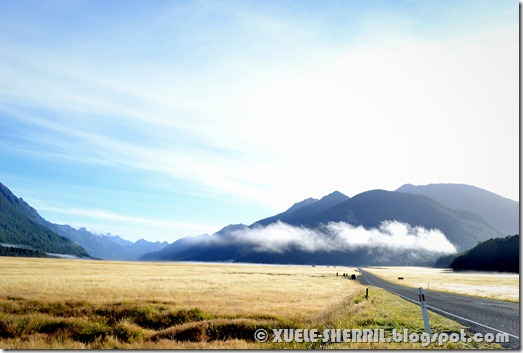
[381,310]
[386,311]
[493,285]
[91,325]
[218,329]
[219,289]
[50,304]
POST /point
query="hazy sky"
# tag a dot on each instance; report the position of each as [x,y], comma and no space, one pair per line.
[162,119]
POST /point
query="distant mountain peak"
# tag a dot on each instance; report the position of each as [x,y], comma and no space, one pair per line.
[143,241]
[405,186]
[231,228]
[300,204]
[301,211]
[336,195]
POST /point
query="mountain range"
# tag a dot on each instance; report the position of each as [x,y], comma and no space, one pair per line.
[410,226]
[368,209]
[18,229]
[322,220]
[40,234]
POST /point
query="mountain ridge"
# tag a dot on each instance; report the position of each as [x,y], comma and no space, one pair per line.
[17,226]
[501,212]
[368,209]
[108,247]
[371,207]
[309,209]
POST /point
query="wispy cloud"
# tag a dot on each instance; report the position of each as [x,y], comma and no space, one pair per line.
[107,215]
[340,236]
[98,216]
[263,103]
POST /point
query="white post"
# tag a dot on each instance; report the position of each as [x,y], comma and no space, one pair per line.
[424,310]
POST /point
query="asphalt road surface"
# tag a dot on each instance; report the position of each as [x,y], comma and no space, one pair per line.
[478,314]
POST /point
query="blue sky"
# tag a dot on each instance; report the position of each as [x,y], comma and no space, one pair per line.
[162,119]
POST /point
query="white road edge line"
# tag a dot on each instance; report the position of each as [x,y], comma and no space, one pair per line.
[443,311]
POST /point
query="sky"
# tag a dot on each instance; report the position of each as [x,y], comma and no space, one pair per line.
[163,119]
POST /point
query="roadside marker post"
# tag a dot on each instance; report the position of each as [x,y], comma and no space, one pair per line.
[424,310]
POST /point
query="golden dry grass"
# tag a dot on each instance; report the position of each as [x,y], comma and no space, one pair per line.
[58,303]
[218,289]
[503,286]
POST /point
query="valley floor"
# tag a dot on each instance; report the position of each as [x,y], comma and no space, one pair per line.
[60,303]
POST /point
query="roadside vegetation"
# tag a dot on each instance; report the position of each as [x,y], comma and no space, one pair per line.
[58,303]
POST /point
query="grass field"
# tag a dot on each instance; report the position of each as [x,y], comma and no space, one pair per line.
[501,286]
[58,303]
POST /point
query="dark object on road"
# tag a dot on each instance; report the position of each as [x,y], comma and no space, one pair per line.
[400,277]
[353,276]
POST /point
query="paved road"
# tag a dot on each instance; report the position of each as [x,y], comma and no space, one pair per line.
[479,315]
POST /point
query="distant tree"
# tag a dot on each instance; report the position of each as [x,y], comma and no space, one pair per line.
[497,254]
[18,252]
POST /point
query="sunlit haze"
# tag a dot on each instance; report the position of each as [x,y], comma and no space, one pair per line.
[164,119]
